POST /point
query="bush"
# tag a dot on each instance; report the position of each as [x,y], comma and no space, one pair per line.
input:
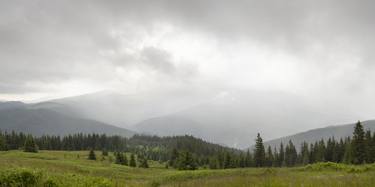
[29,178]
[92,155]
[337,167]
[20,177]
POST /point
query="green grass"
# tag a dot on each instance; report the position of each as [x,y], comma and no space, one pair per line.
[71,168]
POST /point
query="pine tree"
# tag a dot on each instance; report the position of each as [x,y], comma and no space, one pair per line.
[142,161]
[220,160]
[269,157]
[125,160]
[305,153]
[368,143]
[92,155]
[359,144]
[276,158]
[173,158]
[281,155]
[290,154]
[3,146]
[259,153]
[348,155]
[30,145]
[104,152]
[212,164]
[248,159]
[329,155]
[227,161]
[132,162]
[186,161]
[372,148]
[121,158]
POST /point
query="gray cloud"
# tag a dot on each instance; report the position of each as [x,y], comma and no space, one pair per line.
[46,42]
[158,59]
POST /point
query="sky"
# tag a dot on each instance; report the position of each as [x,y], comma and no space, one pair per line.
[321,51]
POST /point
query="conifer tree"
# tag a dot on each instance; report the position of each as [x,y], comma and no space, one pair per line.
[359,144]
[104,152]
[281,155]
[269,157]
[142,161]
[348,155]
[186,161]
[132,162]
[248,159]
[372,148]
[227,161]
[368,143]
[305,153]
[92,155]
[2,143]
[276,158]
[259,153]
[220,160]
[125,160]
[30,145]
[173,158]
[290,154]
[213,163]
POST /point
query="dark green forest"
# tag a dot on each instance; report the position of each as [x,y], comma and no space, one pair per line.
[189,153]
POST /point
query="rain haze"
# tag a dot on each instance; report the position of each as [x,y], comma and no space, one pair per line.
[219,70]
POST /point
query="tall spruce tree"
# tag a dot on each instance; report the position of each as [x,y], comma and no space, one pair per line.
[92,155]
[290,154]
[368,143]
[173,158]
[227,160]
[142,161]
[281,161]
[305,153]
[186,161]
[3,146]
[132,162]
[259,152]
[269,157]
[30,145]
[372,148]
[248,159]
[348,154]
[359,144]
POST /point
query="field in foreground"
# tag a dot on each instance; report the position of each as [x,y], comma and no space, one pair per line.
[63,168]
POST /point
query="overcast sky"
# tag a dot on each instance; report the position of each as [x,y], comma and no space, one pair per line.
[322,51]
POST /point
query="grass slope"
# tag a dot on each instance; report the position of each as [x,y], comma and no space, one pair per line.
[73,169]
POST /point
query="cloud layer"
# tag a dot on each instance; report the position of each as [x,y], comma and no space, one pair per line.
[319,50]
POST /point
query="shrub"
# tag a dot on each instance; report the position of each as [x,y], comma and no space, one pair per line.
[19,177]
[92,155]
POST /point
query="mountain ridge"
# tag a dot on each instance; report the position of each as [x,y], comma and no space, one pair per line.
[30,118]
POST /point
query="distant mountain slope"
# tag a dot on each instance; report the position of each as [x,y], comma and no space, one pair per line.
[340,131]
[38,121]
[235,118]
[126,110]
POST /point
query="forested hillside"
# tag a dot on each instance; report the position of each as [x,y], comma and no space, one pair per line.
[187,152]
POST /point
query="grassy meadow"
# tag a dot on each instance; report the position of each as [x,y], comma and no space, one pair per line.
[72,168]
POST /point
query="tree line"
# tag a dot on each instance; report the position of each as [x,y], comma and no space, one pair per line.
[358,149]
[189,153]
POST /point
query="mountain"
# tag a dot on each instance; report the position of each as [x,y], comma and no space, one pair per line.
[126,110]
[311,136]
[39,119]
[234,118]
[228,117]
